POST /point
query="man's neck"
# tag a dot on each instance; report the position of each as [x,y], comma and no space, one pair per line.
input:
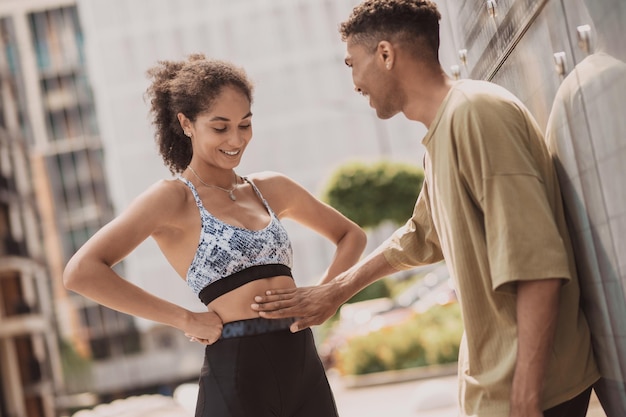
[425,95]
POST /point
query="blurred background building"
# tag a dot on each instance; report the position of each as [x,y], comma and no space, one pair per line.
[53,196]
[29,357]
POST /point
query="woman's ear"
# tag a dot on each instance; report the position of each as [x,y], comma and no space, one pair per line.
[185,123]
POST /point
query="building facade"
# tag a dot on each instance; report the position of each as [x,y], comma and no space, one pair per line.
[30,374]
[54,196]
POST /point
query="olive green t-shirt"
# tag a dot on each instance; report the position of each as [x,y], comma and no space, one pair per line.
[491,207]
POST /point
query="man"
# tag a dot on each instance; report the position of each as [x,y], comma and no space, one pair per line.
[490,206]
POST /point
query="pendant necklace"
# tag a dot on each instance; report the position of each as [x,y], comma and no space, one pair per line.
[226,190]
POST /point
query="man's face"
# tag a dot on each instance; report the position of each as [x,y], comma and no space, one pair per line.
[371,78]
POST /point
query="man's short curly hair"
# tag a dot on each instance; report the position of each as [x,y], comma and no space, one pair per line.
[413,21]
[189,87]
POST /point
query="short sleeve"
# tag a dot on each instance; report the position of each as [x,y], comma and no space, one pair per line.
[416,243]
[504,162]
[523,239]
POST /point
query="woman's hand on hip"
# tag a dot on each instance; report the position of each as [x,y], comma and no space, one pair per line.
[204,327]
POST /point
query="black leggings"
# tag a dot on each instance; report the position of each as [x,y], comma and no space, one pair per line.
[277,374]
[576,407]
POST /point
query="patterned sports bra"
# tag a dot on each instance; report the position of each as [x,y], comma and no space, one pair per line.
[229,256]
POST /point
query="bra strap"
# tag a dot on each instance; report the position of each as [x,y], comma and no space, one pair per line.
[258,193]
[193,191]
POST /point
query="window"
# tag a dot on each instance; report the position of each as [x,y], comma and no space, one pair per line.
[111,333]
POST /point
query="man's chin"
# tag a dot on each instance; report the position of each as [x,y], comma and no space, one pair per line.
[384,115]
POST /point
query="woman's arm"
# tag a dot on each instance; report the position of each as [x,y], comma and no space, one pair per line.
[313,305]
[290,200]
[89,272]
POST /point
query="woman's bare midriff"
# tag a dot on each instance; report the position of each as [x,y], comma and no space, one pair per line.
[235,305]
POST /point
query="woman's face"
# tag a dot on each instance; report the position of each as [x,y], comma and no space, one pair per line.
[220,135]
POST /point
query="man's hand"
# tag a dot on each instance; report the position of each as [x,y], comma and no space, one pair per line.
[309,305]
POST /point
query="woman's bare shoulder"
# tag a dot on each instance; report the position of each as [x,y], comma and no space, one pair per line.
[279,190]
[269,178]
[165,198]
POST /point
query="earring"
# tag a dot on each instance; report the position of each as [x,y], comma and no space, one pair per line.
[188,134]
[388,65]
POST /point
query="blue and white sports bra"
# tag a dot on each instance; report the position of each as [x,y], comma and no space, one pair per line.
[229,256]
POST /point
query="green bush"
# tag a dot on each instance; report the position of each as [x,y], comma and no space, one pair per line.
[370,194]
[429,338]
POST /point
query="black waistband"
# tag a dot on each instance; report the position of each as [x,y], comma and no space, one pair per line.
[236,280]
[255,326]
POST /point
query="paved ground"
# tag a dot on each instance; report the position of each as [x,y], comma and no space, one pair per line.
[425,398]
[139,406]
[432,397]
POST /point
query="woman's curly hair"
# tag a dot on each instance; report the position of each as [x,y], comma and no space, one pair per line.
[189,87]
[416,21]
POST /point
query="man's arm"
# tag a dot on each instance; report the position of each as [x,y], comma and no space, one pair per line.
[314,305]
[537,311]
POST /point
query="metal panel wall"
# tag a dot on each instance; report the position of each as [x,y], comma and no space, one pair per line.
[587,134]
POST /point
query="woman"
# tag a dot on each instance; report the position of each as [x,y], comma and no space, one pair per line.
[221,232]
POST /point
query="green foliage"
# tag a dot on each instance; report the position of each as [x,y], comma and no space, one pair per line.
[71,360]
[429,338]
[76,368]
[377,289]
[370,194]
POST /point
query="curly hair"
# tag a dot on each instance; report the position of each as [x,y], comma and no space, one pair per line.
[189,87]
[416,21]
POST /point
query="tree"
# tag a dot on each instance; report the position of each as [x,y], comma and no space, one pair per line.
[370,194]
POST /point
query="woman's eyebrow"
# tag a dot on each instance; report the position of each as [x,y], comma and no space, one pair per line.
[225,119]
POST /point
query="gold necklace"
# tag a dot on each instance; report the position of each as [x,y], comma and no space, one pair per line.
[226,190]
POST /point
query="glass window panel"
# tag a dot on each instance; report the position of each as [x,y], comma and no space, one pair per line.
[39,27]
[131,342]
[100,348]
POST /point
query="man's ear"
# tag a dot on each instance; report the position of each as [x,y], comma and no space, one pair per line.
[386,54]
